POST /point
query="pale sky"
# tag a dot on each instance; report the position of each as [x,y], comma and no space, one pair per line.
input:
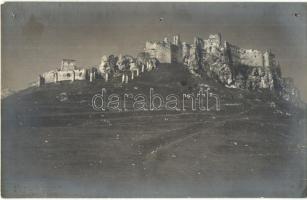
[37,36]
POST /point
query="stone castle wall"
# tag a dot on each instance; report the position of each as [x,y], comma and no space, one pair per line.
[176,54]
[65,75]
[161,51]
[247,57]
[214,41]
[80,74]
[49,77]
[269,59]
[232,66]
[67,72]
[186,50]
[167,52]
[68,65]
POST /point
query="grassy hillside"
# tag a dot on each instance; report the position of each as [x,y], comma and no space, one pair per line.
[55,145]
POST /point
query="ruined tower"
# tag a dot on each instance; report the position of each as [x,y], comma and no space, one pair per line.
[68,64]
[176,40]
[268,59]
[185,49]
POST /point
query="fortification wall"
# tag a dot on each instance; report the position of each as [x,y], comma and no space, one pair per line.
[164,55]
[214,41]
[160,51]
[176,54]
[185,50]
[80,74]
[49,77]
[65,75]
[68,64]
[269,59]
[247,57]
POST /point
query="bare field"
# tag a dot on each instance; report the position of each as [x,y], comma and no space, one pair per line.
[65,149]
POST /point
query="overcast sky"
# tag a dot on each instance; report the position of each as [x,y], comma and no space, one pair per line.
[37,36]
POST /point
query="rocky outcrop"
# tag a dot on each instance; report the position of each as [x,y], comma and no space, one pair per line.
[235,67]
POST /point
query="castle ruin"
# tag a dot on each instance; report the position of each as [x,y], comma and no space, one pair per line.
[67,72]
[165,51]
[232,66]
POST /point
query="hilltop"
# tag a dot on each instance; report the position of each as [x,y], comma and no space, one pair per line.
[231,66]
[55,144]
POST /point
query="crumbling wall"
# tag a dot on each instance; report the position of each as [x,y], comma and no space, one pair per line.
[68,64]
[66,75]
[176,50]
[165,51]
[259,78]
[197,50]
[160,51]
[176,40]
[49,77]
[289,92]
[247,57]
[213,44]
[176,54]
[80,74]
[231,65]
[163,54]
[185,50]
[269,59]
[213,41]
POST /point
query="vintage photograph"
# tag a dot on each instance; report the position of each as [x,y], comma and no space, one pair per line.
[153,99]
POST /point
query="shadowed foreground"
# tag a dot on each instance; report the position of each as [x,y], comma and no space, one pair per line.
[53,148]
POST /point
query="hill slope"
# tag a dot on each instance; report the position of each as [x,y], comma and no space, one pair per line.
[55,144]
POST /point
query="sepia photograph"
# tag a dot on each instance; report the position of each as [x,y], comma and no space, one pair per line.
[153,99]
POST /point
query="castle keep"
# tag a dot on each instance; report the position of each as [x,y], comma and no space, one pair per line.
[165,51]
